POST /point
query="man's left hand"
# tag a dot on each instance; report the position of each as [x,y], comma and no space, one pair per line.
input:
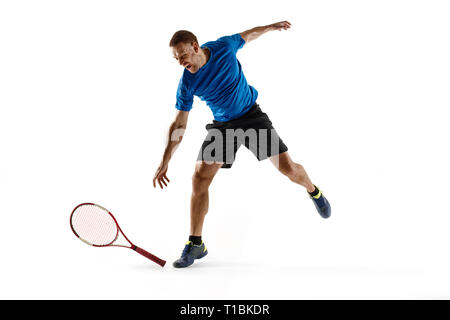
[282,25]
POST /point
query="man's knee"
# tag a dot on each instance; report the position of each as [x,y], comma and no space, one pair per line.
[199,183]
[202,178]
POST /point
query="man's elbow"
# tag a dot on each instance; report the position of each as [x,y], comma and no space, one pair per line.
[176,131]
[178,126]
[244,36]
[181,120]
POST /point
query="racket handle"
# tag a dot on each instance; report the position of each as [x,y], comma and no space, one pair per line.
[149,256]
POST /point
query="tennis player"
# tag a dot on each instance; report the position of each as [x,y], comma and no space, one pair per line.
[213,73]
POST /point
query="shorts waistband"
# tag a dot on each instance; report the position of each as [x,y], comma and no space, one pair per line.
[254,108]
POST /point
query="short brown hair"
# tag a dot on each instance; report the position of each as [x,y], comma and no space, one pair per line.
[182,36]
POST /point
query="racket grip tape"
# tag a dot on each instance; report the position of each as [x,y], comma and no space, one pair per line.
[149,256]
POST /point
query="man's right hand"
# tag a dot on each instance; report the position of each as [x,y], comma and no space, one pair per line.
[160,176]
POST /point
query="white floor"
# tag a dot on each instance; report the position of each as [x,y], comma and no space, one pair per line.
[269,244]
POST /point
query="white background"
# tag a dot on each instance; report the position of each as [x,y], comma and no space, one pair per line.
[358,90]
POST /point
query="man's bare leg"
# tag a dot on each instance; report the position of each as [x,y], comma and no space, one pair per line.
[294,171]
[202,178]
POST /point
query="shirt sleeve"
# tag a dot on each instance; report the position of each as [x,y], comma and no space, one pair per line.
[235,42]
[184,97]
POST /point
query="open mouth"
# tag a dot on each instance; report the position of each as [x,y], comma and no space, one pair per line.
[188,67]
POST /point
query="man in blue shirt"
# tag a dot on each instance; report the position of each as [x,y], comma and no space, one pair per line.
[213,73]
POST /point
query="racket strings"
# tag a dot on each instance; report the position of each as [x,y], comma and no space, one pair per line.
[94,225]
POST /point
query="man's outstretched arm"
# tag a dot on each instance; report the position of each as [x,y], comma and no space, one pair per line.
[254,33]
[176,132]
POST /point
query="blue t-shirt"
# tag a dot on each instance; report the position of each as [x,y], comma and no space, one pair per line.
[220,82]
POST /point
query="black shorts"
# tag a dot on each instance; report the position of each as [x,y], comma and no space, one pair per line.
[254,130]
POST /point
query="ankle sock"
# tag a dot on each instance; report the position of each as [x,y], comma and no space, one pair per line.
[196,240]
[315,192]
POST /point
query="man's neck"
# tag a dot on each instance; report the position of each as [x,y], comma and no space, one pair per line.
[206,55]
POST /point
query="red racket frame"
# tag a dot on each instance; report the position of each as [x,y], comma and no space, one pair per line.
[132,245]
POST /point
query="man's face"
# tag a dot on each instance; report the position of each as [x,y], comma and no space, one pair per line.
[187,55]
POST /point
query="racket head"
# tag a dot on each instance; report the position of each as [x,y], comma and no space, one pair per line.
[94,225]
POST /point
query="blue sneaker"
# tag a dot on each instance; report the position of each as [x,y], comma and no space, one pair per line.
[190,253]
[322,205]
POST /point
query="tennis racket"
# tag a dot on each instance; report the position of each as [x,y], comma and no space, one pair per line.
[96,226]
